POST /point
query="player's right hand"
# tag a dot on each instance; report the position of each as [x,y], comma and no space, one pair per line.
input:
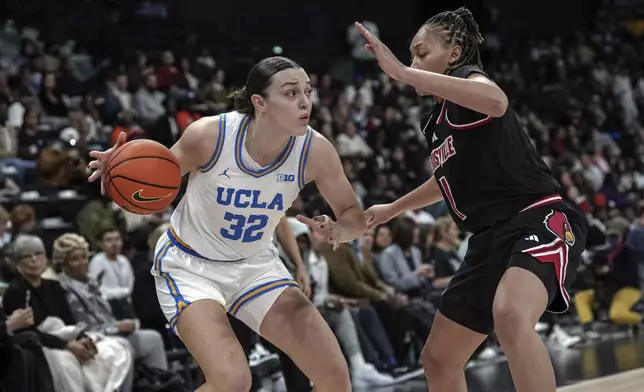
[379,214]
[101,158]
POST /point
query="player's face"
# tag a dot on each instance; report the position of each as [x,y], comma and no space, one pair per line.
[430,53]
[289,100]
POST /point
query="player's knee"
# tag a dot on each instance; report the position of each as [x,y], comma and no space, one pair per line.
[234,380]
[333,376]
[436,363]
[511,320]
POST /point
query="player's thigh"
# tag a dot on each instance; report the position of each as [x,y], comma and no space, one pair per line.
[468,298]
[522,296]
[205,330]
[180,280]
[295,326]
[449,345]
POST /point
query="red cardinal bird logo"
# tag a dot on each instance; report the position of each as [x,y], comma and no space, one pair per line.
[557,223]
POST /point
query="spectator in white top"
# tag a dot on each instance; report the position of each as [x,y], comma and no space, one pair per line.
[351,144]
[110,268]
[148,101]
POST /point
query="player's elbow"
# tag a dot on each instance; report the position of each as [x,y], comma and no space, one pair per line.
[499,104]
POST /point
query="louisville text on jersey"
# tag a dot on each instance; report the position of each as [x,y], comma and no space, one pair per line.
[442,153]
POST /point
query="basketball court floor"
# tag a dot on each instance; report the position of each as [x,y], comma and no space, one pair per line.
[614,365]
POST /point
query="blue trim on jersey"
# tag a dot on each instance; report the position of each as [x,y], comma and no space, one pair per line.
[239,144]
[257,291]
[304,156]
[180,302]
[179,243]
[219,146]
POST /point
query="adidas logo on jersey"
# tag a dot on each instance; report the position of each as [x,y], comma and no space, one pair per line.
[286,178]
[533,237]
[434,138]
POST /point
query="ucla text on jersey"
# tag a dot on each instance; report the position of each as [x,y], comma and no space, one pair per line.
[232,204]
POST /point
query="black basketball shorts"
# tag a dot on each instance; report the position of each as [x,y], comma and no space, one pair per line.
[546,240]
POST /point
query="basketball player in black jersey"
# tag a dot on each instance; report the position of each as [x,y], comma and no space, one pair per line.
[527,241]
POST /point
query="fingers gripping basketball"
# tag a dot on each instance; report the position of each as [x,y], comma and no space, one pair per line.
[143,177]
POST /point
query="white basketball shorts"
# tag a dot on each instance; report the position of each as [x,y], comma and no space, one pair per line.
[246,289]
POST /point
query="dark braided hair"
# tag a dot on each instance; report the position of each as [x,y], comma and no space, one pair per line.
[458,28]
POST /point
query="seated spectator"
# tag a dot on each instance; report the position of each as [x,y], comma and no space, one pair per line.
[114,273]
[335,308]
[401,263]
[148,101]
[29,141]
[214,93]
[117,97]
[352,275]
[616,287]
[444,256]
[8,136]
[23,220]
[125,123]
[50,97]
[76,361]
[351,144]
[97,215]
[24,367]
[381,240]
[71,254]
[59,166]
[5,234]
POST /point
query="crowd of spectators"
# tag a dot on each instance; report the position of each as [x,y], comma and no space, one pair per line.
[74,272]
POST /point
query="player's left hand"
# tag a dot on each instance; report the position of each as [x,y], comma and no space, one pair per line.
[302,278]
[324,226]
[386,59]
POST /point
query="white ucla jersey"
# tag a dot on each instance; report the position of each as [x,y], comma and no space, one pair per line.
[232,205]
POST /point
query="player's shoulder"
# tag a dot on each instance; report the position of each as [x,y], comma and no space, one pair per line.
[322,156]
[320,145]
[468,71]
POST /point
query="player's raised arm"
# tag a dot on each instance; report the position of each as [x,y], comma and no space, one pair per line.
[435,55]
[324,167]
[196,144]
[476,92]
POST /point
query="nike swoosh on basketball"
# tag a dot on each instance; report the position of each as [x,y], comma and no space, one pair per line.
[137,196]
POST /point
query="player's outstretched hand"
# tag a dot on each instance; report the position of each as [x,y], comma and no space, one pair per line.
[100,161]
[379,214]
[324,226]
[386,59]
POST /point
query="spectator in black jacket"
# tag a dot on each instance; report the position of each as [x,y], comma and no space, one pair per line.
[23,366]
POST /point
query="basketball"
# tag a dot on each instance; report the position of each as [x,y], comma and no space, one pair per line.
[142,177]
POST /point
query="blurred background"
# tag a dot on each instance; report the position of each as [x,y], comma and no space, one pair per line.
[75,74]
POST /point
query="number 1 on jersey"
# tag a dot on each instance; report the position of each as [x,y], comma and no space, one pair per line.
[248,229]
[450,197]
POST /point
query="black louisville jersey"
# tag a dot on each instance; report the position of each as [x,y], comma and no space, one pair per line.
[487,168]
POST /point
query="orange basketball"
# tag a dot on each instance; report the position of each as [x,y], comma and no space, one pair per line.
[143,177]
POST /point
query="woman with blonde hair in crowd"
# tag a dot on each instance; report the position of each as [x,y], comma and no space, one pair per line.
[71,254]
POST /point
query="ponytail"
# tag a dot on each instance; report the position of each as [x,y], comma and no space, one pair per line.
[241,101]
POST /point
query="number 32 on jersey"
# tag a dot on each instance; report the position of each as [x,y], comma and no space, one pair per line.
[246,229]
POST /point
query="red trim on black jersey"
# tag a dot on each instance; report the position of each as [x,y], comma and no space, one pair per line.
[441,116]
[471,125]
[544,201]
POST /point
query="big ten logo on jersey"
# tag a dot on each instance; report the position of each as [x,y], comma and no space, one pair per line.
[247,228]
[286,178]
[442,153]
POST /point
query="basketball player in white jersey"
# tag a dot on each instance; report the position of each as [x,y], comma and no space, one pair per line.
[245,169]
